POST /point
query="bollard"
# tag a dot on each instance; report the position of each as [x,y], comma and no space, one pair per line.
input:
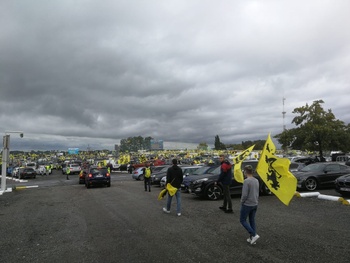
[331,198]
[313,194]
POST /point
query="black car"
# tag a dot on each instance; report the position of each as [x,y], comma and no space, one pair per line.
[342,185]
[157,177]
[26,173]
[204,185]
[202,170]
[97,176]
[318,175]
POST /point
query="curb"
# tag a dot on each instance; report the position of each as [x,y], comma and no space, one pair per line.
[323,197]
[24,187]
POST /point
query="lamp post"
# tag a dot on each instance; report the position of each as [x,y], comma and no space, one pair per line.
[5,155]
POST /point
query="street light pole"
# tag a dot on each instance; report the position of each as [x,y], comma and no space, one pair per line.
[6,142]
[5,155]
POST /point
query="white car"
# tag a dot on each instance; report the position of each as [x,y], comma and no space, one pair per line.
[41,170]
[15,172]
[138,174]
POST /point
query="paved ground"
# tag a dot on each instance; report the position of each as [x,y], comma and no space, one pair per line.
[62,221]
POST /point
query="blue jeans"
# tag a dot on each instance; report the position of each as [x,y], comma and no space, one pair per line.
[178,201]
[245,212]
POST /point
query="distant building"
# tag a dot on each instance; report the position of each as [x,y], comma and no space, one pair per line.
[157,145]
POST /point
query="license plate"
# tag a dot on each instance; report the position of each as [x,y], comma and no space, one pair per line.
[345,189]
[99,175]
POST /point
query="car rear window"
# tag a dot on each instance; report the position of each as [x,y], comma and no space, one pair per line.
[98,171]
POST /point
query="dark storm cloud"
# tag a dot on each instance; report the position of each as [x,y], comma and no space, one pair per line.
[177,71]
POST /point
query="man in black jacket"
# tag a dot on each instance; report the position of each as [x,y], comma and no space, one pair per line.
[174,177]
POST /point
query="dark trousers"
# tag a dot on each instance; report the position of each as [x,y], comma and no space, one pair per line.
[147,182]
[227,197]
[248,211]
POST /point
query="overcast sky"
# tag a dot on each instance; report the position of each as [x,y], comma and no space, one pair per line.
[79,73]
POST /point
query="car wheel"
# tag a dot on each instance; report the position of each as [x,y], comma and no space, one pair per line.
[109,185]
[311,184]
[141,178]
[213,192]
[87,185]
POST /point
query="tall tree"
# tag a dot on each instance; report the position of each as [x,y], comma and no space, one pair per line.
[317,130]
[218,145]
[202,146]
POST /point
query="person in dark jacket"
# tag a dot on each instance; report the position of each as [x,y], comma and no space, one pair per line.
[225,178]
[174,177]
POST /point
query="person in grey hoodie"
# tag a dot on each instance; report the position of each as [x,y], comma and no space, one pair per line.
[249,204]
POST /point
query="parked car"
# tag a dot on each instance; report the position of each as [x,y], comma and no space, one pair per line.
[73,167]
[159,168]
[26,173]
[97,176]
[318,175]
[204,185]
[138,174]
[186,170]
[305,160]
[41,170]
[202,170]
[342,185]
[15,171]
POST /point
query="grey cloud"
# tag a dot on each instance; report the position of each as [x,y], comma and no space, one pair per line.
[178,71]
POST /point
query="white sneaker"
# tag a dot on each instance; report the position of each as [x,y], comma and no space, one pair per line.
[178,214]
[254,239]
[165,210]
[249,240]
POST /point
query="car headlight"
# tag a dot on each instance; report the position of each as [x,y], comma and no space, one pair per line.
[200,181]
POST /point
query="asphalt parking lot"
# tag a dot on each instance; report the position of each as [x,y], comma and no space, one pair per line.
[61,220]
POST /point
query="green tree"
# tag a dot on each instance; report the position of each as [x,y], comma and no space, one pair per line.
[218,145]
[202,146]
[317,130]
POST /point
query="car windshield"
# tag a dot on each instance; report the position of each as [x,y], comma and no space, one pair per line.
[201,170]
[98,171]
[215,171]
[314,167]
[189,170]
[164,169]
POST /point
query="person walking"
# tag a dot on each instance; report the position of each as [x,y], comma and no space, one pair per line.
[147,172]
[174,177]
[249,204]
[225,178]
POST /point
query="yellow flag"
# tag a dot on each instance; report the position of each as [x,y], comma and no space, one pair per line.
[237,171]
[274,172]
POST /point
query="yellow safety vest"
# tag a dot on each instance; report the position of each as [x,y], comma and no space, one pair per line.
[147,172]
